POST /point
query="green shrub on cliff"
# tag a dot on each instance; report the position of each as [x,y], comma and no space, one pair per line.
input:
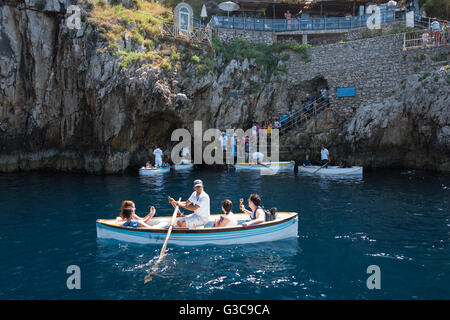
[265,57]
[195,59]
[301,49]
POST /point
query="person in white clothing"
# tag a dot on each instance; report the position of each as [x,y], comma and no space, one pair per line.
[199,203]
[258,156]
[227,220]
[158,157]
[324,156]
[185,155]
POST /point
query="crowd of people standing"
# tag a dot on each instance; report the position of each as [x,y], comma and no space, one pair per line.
[438,35]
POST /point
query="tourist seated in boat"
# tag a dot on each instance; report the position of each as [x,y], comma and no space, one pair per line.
[306,161]
[127,214]
[199,203]
[148,165]
[344,164]
[228,219]
[134,216]
[256,214]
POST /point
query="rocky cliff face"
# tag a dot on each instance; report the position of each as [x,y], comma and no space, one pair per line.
[66,106]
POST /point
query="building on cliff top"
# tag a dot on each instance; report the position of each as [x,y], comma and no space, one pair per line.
[314,8]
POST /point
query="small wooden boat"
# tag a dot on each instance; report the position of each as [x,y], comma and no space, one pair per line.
[285,226]
[331,170]
[150,171]
[267,166]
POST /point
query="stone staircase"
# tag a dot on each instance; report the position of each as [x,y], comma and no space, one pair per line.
[302,116]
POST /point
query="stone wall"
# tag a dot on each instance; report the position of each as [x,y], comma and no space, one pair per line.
[375,66]
[227,35]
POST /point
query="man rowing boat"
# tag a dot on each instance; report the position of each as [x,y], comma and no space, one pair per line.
[324,156]
[199,203]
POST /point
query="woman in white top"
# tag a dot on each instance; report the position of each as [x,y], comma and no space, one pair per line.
[228,220]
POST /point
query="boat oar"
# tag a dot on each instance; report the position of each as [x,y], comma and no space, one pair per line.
[321,167]
[163,250]
[178,211]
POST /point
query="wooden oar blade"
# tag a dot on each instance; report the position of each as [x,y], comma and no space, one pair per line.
[148,277]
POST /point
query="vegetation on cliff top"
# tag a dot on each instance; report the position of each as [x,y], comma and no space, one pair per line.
[266,57]
[139,23]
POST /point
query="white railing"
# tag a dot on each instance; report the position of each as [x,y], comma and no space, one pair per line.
[415,40]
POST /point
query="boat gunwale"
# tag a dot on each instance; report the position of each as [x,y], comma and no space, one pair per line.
[337,170]
[270,165]
[204,230]
[152,169]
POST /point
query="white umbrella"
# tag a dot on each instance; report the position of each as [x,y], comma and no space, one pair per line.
[228,6]
[204,14]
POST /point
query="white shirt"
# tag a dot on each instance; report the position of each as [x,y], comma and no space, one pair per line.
[203,201]
[258,156]
[435,26]
[324,154]
[184,151]
[158,153]
[233,221]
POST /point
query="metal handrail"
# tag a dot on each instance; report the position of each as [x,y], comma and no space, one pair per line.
[301,115]
[413,40]
[301,24]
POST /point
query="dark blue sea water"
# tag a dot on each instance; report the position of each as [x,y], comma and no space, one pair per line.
[399,222]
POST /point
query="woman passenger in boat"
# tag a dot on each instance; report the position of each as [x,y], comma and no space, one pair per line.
[256,214]
[228,220]
[134,216]
[148,165]
[127,214]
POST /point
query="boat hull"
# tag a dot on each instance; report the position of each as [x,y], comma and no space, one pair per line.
[182,167]
[269,231]
[332,170]
[274,166]
[152,171]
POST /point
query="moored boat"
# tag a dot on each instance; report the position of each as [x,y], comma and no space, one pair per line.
[285,226]
[331,170]
[267,166]
[183,166]
[150,171]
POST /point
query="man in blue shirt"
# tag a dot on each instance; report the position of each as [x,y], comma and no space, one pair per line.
[306,161]
[436,28]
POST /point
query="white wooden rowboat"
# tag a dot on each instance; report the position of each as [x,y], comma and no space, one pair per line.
[331,170]
[267,166]
[285,226]
[150,171]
